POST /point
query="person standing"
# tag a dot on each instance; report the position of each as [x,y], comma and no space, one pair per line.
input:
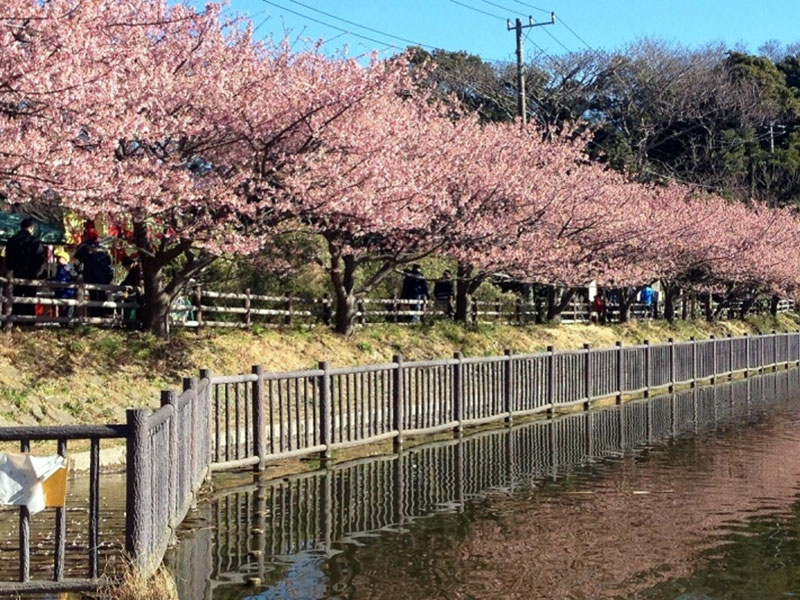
[65,273]
[97,269]
[25,257]
[443,293]
[415,287]
[647,297]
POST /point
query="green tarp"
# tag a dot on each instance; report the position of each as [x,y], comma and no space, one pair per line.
[49,233]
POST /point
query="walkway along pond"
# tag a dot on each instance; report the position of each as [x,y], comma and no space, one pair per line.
[352,530]
[228,422]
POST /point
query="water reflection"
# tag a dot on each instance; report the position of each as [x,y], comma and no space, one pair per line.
[581,506]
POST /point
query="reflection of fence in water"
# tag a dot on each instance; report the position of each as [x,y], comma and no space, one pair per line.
[309,512]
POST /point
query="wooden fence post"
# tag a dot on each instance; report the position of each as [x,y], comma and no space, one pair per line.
[397,401]
[672,374]
[325,433]
[458,392]
[139,494]
[8,301]
[508,382]
[551,380]
[288,317]
[518,310]
[259,418]
[647,367]
[362,317]
[395,309]
[210,410]
[620,372]
[498,308]
[198,306]
[80,296]
[713,359]
[248,318]
[587,376]
[473,309]
[168,397]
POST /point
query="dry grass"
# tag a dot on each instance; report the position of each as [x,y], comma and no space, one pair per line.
[90,375]
[133,585]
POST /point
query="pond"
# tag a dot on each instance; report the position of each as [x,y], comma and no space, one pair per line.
[691,495]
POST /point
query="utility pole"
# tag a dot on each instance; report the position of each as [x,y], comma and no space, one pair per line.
[518,27]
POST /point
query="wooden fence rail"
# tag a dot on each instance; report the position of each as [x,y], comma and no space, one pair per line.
[117,306]
[260,417]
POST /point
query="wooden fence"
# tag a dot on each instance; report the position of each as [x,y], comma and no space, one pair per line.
[117,306]
[311,512]
[229,422]
[259,417]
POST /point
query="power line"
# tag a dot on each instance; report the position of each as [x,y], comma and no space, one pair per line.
[533,7]
[372,29]
[364,37]
[488,14]
[378,31]
[572,31]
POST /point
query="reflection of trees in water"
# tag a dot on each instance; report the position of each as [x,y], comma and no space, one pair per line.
[536,544]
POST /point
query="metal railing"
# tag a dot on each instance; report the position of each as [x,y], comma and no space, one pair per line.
[231,422]
[262,416]
[253,525]
[46,570]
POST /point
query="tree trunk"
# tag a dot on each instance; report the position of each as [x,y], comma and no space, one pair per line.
[556,304]
[342,271]
[463,274]
[158,294]
[670,293]
[155,303]
[747,305]
[627,298]
[467,284]
[773,305]
[707,308]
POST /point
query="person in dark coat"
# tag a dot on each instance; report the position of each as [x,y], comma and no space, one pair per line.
[415,287]
[25,256]
[132,279]
[443,292]
[97,269]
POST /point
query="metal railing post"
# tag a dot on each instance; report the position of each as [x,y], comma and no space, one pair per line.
[508,382]
[647,377]
[672,373]
[587,376]
[620,372]
[774,350]
[747,355]
[259,418]
[551,379]
[713,359]
[210,421]
[693,382]
[730,356]
[325,433]
[139,494]
[397,401]
[458,392]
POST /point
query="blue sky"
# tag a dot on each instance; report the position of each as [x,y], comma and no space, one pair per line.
[601,24]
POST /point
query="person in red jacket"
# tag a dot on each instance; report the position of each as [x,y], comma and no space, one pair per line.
[598,309]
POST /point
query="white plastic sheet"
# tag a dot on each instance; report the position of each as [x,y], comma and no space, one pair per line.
[22,477]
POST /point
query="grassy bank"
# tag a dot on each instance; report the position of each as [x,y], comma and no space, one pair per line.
[89,375]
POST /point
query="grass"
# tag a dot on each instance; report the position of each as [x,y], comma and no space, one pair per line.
[132,585]
[89,375]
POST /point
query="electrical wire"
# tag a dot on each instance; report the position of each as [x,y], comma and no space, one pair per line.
[488,14]
[373,30]
[572,31]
